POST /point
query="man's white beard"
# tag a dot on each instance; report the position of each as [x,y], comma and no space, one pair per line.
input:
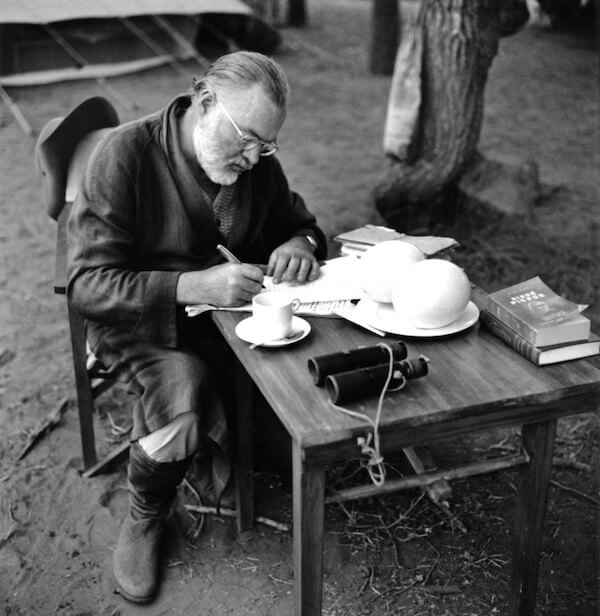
[210,157]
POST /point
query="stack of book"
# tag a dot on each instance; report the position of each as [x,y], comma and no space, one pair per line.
[357,241]
[539,324]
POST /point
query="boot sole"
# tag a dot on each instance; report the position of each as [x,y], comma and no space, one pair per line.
[132,598]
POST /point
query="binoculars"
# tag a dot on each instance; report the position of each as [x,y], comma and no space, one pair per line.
[360,372]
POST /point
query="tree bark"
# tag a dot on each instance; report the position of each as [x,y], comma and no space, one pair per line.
[385,27]
[456,41]
[297,12]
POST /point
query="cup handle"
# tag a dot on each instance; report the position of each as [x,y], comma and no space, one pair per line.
[295,305]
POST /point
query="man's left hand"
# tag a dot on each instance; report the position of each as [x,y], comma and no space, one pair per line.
[293,261]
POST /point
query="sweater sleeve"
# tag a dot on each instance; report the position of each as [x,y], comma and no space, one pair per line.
[106,284]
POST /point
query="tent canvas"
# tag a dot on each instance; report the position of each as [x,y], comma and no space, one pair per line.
[43,42]
[45,11]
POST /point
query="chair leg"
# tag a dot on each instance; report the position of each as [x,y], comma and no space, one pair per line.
[85,401]
[244,454]
[116,455]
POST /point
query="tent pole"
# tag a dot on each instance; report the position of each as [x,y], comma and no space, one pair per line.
[181,40]
[81,61]
[19,117]
[231,44]
[155,47]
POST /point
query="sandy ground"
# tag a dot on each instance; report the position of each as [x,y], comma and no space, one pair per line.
[58,530]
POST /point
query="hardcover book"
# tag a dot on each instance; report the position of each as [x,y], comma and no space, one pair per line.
[540,356]
[538,314]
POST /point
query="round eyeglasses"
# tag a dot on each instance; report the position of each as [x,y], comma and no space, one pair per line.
[248,142]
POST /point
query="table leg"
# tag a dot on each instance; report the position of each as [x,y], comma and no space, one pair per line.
[309,509]
[244,450]
[532,498]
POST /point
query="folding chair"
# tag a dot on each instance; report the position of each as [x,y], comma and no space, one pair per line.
[61,152]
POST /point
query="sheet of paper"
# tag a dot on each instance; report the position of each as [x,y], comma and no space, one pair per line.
[338,279]
[430,244]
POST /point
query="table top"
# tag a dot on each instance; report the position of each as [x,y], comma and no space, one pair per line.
[475,382]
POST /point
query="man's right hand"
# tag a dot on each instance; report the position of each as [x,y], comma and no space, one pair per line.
[228,284]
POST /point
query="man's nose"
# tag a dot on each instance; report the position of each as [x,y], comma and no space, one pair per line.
[252,155]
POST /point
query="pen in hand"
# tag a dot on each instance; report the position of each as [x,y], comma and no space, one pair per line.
[228,254]
[230,257]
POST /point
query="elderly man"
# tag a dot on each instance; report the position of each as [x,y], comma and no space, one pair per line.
[157,197]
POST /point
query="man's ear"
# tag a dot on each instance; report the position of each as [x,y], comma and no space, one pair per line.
[205,100]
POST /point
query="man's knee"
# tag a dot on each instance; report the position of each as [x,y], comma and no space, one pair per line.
[176,440]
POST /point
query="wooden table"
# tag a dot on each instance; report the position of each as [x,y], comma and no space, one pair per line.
[475,383]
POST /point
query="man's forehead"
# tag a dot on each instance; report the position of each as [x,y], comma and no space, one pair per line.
[254,111]
[253,95]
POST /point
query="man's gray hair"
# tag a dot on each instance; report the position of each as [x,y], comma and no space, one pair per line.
[239,70]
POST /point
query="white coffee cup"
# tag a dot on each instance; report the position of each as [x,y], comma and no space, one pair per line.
[272,314]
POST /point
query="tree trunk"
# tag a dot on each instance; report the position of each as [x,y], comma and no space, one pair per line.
[385,27]
[297,12]
[454,44]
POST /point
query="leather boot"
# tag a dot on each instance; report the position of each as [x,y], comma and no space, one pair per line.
[201,478]
[152,487]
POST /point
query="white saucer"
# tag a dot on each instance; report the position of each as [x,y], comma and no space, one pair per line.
[247,330]
[383,316]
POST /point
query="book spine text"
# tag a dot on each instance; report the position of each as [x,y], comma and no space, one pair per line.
[509,337]
[513,322]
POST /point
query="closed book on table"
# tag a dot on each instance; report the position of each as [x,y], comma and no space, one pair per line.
[368,235]
[540,356]
[538,314]
[359,240]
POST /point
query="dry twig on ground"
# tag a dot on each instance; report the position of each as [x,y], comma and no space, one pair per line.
[577,493]
[49,422]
